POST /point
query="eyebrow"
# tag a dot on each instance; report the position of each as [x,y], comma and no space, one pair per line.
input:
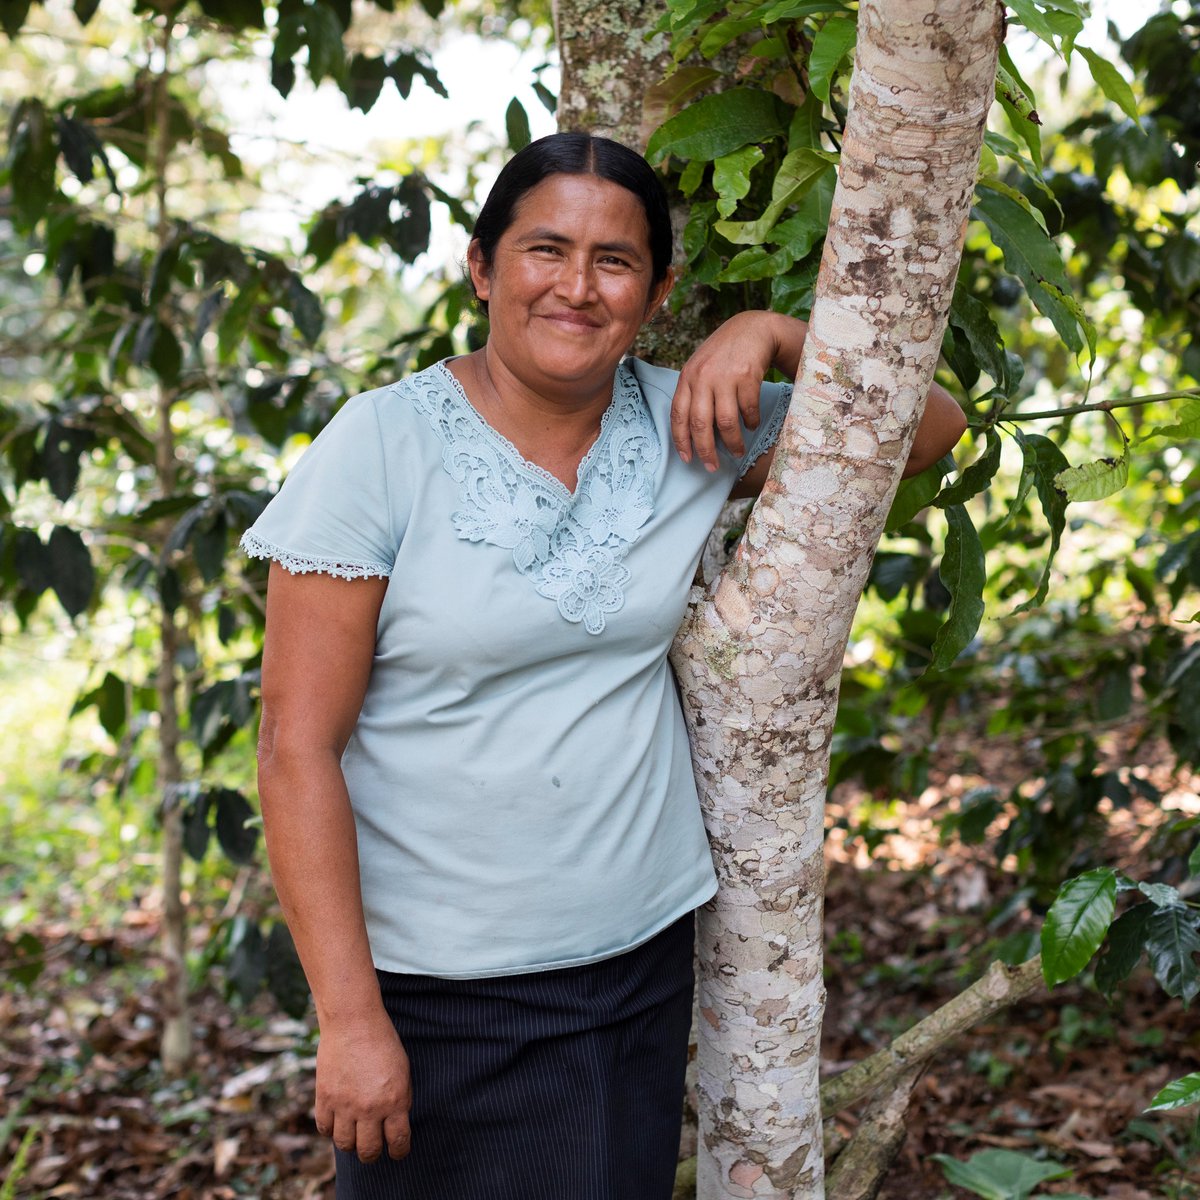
[560,239]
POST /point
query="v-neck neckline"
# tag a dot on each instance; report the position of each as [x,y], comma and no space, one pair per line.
[517,459]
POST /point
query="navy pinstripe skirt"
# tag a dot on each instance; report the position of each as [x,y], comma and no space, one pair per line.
[555,1085]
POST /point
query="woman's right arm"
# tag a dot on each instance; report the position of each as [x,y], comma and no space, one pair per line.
[317,658]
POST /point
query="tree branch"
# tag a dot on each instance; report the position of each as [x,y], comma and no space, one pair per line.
[1100,406]
[858,1171]
[998,988]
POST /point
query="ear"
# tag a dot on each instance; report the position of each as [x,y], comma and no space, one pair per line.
[659,292]
[480,275]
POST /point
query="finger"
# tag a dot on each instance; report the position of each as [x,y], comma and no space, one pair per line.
[680,434]
[323,1117]
[728,423]
[344,1134]
[700,427]
[398,1134]
[748,398]
[368,1136]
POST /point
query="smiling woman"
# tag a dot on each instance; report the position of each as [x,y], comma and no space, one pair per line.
[475,779]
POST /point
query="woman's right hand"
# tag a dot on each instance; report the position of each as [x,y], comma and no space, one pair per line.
[364,1092]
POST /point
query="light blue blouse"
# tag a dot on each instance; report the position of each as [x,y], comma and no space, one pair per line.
[520,774]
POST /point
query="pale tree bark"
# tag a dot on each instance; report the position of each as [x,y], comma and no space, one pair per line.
[759,660]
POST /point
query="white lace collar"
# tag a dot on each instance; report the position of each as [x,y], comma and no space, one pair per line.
[569,545]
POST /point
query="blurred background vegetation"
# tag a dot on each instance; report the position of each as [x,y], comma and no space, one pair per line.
[219,219]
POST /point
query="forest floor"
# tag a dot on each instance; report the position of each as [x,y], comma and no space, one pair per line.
[1065,1077]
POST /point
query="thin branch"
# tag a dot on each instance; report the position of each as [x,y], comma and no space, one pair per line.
[1100,406]
[998,988]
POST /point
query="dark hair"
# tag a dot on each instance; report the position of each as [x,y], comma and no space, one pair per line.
[576,154]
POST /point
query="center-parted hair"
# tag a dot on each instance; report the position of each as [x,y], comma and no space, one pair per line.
[576,154]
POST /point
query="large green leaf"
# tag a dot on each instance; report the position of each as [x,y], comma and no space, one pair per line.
[1172,942]
[976,477]
[285,975]
[1076,923]
[999,1174]
[1032,256]
[1034,19]
[1124,947]
[1043,461]
[971,316]
[720,124]
[516,125]
[12,16]
[916,493]
[237,836]
[1094,480]
[70,569]
[1177,1094]
[31,156]
[833,41]
[964,573]
[1112,83]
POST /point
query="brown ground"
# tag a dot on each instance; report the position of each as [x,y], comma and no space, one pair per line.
[1065,1077]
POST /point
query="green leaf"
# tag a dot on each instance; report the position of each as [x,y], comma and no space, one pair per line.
[1172,942]
[1162,895]
[971,316]
[1187,426]
[1112,83]
[31,157]
[246,964]
[915,494]
[1094,480]
[731,177]
[305,309]
[1032,256]
[1123,949]
[24,967]
[691,178]
[664,99]
[833,41]
[238,838]
[85,10]
[516,125]
[365,78]
[1177,1094]
[285,976]
[1016,99]
[70,570]
[1044,460]
[1034,20]
[757,262]
[196,829]
[963,572]
[999,1174]
[1076,923]
[1194,857]
[12,16]
[798,173]
[719,124]
[1181,264]
[976,477]
[109,699]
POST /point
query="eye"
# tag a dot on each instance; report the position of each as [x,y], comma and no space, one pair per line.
[613,260]
[544,249]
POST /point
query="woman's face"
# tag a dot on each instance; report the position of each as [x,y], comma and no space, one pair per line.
[569,285]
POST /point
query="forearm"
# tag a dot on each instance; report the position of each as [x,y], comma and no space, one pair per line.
[313,850]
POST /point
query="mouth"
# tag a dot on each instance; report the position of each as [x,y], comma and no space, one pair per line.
[571,319]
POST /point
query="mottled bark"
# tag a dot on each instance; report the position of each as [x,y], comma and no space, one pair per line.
[760,658]
[859,1170]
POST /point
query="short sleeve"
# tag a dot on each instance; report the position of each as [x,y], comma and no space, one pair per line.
[333,513]
[773,401]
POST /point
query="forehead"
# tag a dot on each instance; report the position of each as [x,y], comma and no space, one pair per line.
[582,206]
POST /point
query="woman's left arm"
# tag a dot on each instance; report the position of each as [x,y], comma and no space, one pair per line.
[720,383]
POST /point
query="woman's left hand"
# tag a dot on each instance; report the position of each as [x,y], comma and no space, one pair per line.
[719,385]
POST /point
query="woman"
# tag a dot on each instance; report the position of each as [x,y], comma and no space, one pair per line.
[475,778]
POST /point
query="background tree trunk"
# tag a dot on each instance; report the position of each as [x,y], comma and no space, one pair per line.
[759,660]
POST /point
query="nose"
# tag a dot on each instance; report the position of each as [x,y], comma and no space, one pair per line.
[575,284]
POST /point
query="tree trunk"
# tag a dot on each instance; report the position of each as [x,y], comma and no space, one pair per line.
[175,1045]
[759,660]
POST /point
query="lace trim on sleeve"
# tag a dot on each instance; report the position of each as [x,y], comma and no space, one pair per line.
[301,564]
[768,435]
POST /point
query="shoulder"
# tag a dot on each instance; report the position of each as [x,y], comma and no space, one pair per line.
[657,383]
